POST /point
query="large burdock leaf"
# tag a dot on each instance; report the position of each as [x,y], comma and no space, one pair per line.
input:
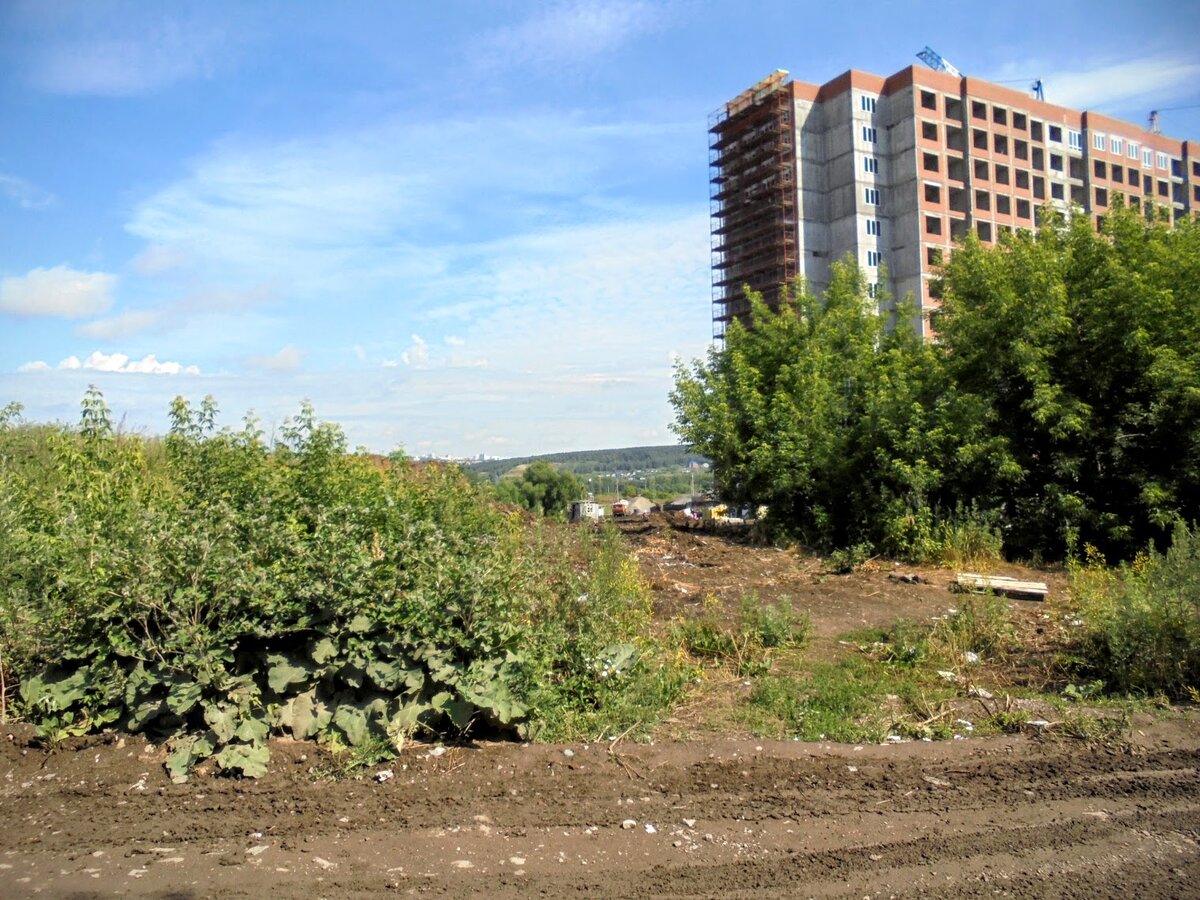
[323,651]
[284,671]
[252,731]
[184,696]
[222,720]
[460,712]
[55,689]
[305,715]
[187,751]
[353,722]
[251,761]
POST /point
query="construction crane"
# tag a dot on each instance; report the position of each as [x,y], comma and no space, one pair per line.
[938,63]
[934,60]
[1153,125]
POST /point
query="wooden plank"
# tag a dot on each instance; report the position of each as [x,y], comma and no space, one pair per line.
[1002,584]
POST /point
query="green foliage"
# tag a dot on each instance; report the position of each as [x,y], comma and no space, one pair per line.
[541,489]
[743,645]
[211,591]
[1143,620]
[1082,351]
[978,625]
[843,427]
[837,702]
[1060,404]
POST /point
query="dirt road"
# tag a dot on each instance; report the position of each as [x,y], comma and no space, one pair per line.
[998,817]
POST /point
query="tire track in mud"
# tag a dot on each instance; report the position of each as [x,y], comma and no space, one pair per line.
[1002,816]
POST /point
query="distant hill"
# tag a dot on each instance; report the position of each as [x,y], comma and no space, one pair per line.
[584,462]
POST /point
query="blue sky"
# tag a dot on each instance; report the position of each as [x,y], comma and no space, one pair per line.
[459,228]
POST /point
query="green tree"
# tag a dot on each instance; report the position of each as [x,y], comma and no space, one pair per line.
[1082,349]
[845,427]
[541,489]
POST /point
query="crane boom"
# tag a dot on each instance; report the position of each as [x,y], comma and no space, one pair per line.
[934,60]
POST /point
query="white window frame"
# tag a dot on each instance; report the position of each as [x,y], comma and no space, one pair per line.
[867,103]
[1160,159]
[1147,157]
[871,165]
[1117,145]
[872,196]
[1133,150]
[1099,142]
[870,135]
[1074,140]
[873,227]
[874,258]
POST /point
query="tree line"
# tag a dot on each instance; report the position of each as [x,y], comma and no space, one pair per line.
[1057,407]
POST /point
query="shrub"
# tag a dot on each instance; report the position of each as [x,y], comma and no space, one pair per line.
[1143,620]
[209,590]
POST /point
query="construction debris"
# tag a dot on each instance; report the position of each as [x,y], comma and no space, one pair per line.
[1000,584]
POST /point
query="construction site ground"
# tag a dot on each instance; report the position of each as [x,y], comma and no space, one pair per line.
[696,812]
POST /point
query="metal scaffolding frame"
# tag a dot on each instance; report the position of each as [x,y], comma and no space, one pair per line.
[752,199]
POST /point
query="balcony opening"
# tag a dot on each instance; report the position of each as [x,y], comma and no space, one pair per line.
[928,100]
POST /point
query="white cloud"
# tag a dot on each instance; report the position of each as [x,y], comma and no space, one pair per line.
[116,362]
[455,341]
[156,259]
[176,314]
[417,355]
[288,359]
[1151,80]
[61,292]
[122,325]
[566,34]
[89,52]
[24,193]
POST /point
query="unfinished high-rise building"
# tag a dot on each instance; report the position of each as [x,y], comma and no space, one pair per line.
[891,171]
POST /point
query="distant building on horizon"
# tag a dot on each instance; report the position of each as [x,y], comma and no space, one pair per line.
[893,170]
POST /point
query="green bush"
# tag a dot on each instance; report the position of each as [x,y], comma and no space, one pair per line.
[210,590]
[1143,620]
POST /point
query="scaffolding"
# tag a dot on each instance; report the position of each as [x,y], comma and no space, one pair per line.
[752,199]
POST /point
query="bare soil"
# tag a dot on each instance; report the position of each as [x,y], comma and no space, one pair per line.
[717,816]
